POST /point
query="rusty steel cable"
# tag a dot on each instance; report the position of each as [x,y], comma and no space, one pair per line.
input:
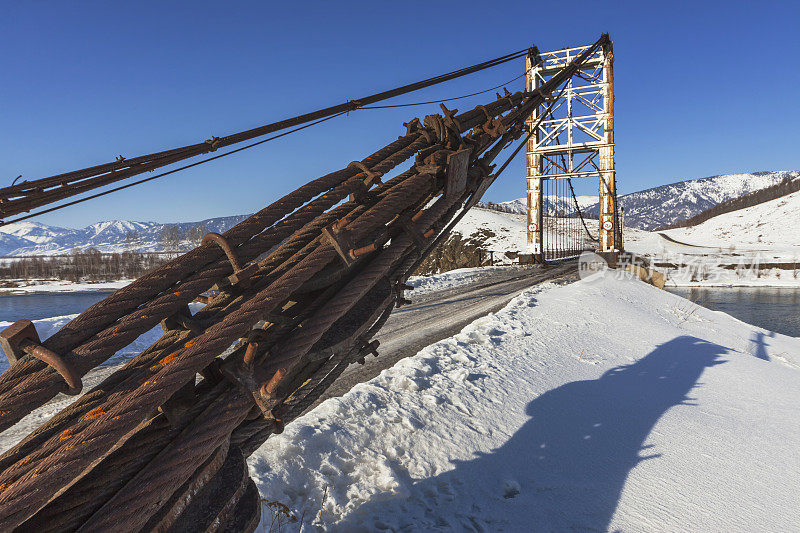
[42,384]
[301,281]
[163,174]
[27,195]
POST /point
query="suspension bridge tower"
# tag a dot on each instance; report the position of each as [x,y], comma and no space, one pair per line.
[573,139]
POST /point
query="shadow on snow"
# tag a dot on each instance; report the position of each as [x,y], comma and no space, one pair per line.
[566,466]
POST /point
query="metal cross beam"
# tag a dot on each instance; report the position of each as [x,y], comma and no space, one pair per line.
[573,138]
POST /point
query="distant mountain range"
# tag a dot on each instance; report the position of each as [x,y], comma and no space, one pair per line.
[648,209]
[552,205]
[34,238]
[659,206]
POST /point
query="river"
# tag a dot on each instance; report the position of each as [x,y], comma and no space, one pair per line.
[39,305]
[773,308]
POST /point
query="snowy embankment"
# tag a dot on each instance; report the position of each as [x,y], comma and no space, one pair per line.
[450,279]
[756,246]
[30,286]
[604,404]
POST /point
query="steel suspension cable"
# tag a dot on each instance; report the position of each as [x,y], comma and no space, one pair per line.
[24,196]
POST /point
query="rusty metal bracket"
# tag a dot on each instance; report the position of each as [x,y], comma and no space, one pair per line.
[450,119]
[457,167]
[360,192]
[254,379]
[412,126]
[21,338]
[220,241]
[339,239]
[485,112]
[181,320]
[494,127]
[240,274]
[213,143]
[372,177]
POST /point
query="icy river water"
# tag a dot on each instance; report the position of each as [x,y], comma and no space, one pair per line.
[46,304]
[776,309]
[773,308]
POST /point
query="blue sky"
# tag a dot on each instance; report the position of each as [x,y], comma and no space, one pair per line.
[701,88]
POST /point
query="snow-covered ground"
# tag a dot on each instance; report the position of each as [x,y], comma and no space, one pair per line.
[601,405]
[752,239]
[450,279]
[28,286]
[771,226]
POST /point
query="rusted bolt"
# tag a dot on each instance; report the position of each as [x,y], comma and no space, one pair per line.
[358,252]
[269,388]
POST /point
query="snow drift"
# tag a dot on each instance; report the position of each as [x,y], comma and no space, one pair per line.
[602,405]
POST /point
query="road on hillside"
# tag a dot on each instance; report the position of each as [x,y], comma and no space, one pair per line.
[439,315]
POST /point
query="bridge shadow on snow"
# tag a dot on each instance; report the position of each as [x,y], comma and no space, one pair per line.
[566,467]
[759,341]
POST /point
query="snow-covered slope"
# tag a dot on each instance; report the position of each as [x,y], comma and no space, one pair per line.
[497,231]
[605,405]
[769,226]
[660,206]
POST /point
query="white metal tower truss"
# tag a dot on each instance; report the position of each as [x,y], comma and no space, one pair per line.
[573,138]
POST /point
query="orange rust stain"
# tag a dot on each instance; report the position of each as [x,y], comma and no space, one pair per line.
[168,359]
[4,486]
[115,330]
[67,433]
[190,343]
[97,412]
[177,293]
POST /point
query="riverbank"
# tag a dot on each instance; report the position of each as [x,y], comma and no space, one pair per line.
[26,286]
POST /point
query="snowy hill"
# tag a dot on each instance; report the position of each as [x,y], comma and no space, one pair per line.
[496,231]
[768,226]
[659,206]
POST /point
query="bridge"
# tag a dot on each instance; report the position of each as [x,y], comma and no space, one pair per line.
[293,295]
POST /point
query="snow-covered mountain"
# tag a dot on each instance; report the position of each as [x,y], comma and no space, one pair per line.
[660,206]
[666,204]
[552,205]
[646,209]
[34,238]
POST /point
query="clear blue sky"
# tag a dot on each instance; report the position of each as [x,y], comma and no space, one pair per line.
[701,88]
